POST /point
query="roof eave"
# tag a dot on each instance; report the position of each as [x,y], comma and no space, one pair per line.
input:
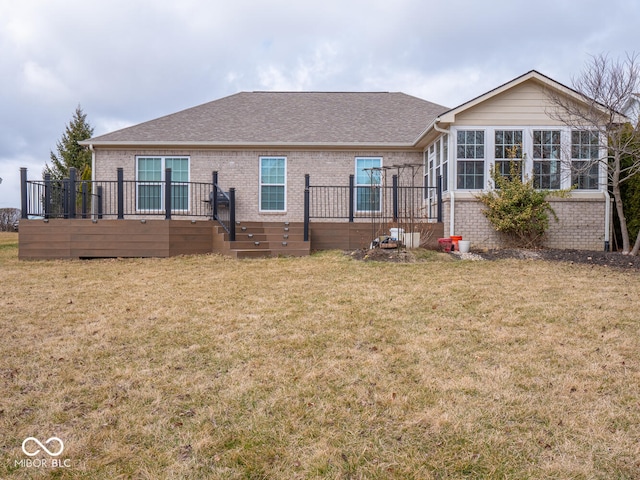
[244,145]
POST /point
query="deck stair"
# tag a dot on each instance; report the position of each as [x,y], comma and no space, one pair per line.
[265,239]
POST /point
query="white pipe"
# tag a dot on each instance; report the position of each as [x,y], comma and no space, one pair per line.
[607,219]
[452,214]
[452,203]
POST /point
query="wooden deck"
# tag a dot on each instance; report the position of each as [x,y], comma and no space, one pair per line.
[84,238]
[59,238]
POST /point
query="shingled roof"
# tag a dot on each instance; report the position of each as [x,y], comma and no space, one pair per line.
[277,118]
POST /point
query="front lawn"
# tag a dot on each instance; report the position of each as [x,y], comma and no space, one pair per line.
[319,367]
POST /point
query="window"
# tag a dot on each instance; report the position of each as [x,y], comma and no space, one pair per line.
[150,182]
[546,159]
[507,149]
[272,183]
[368,197]
[584,159]
[470,159]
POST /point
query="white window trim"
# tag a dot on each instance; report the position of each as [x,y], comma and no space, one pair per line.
[260,184]
[161,182]
[453,164]
[357,185]
[527,150]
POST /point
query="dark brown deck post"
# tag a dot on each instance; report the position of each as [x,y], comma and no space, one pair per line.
[394,180]
[214,199]
[84,199]
[24,193]
[120,194]
[167,194]
[71,197]
[99,194]
[306,208]
[351,196]
[47,195]
[232,214]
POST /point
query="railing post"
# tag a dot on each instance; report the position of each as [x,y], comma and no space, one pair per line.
[214,199]
[84,199]
[24,193]
[65,198]
[99,194]
[120,193]
[395,197]
[351,196]
[167,194]
[71,197]
[439,195]
[47,195]
[306,208]
[232,214]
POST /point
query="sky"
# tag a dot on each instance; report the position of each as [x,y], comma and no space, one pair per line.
[129,61]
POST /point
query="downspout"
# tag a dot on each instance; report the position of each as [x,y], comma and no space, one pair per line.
[607,220]
[452,197]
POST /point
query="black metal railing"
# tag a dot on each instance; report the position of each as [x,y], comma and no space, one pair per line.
[70,198]
[391,203]
[219,199]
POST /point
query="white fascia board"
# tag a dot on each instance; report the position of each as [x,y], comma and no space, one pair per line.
[244,145]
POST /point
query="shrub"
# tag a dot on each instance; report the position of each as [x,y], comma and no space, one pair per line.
[516,210]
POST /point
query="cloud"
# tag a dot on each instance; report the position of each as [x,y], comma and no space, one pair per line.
[128,61]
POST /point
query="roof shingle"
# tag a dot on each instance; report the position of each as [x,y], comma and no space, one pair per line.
[331,118]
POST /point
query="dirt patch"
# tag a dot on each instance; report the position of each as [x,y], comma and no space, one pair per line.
[383,255]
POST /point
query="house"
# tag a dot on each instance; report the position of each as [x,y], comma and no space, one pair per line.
[342,167]
[631,108]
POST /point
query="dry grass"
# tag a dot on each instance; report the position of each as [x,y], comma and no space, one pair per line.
[320,367]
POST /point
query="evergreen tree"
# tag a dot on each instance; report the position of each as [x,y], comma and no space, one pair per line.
[69,153]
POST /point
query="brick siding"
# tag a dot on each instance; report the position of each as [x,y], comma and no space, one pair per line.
[240,169]
[580,224]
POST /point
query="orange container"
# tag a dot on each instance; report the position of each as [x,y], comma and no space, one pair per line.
[454,241]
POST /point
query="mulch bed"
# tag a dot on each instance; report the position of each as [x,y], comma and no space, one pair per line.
[609,259]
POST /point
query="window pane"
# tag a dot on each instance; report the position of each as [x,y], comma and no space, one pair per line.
[546,175]
[149,169]
[179,169]
[366,171]
[272,197]
[149,197]
[368,199]
[470,175]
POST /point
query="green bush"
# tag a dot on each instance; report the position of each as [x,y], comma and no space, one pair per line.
[518,211]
